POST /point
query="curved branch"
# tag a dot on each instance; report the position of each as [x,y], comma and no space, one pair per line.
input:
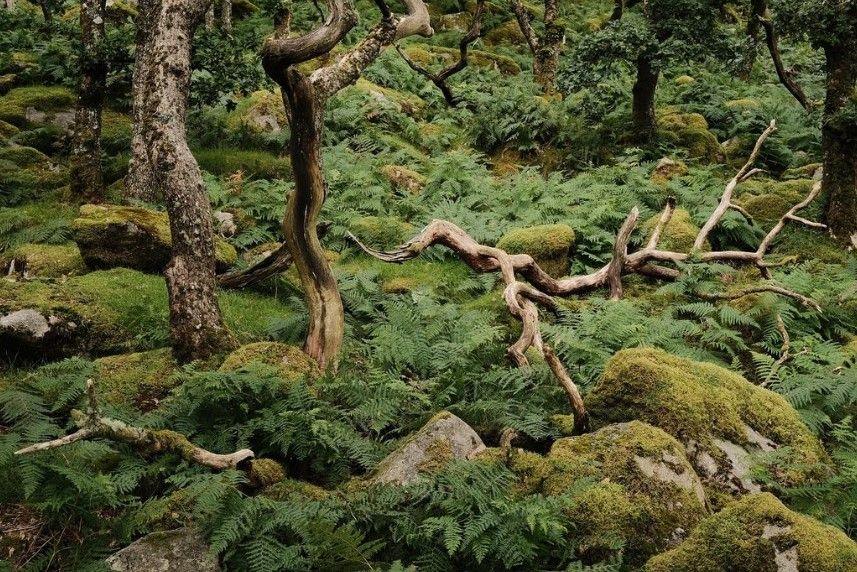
[784,76]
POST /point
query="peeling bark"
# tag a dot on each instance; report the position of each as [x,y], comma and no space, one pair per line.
[86,178]
[196,326]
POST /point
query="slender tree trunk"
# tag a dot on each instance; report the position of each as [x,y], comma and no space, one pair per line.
[9,4]
[226,15]
[209,17]
[326,315]
[839,141]
[47,14]
[140,182]
[643,104]
[754,27]
[196,326]
[87,180]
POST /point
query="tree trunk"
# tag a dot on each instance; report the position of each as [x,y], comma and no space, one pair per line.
[643,104]
[839,141]
[226,15]
[9,4]
[196,326]
[326,314]
[546,54]
[140,182]
[209,17]
[87,180]
[754,27]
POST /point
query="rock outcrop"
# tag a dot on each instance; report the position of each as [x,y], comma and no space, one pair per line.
[182,550]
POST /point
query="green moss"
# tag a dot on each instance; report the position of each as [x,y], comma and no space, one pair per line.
[7,130]
[768,200]
[48,260]
[750,533]
[700,403]
[13,105]
[564,424]
[403,178]
[668,169]
[23,156]
[116,131]
[290,362]
[46,139]
[679,233]
[103,235]
[266,472]
[260,112]
[549,245]
[409,104]
[291,489]
[381,232]
[259,164]
[7,82]
[140,379]
[684,80]
[689,131]
[477,58]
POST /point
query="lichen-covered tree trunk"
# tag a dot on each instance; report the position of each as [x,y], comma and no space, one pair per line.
[196,326]
[226,15]
[754,29]
[139,182]
[839,140]
[546,58]
[9,4]
[643,103]
[326,315]
[86,178]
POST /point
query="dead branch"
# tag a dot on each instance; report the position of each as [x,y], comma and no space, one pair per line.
[93,425]
[521,297]
[439,78]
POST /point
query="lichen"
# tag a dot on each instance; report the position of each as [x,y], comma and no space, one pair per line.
[700,404]
[290,362]
[678,235]
[140,379]
[46,260]
[549,245]
[753,533]
[381,232]
[689,131]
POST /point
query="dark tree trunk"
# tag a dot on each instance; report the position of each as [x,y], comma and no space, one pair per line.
[87,180]
[47,14]
[140,182]
[643,103]
[326,314]
[754,27]
[839,141]
[196,326]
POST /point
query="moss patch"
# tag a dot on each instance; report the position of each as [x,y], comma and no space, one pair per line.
[409,104]
[46,260]
[259,164]
[260,112]
[404,179]
[14,105]
[381,232]
[290,362]
[754,532]
[140,379]
[679,233]
[549,245]
[705,406]
[7,130]
[689,131]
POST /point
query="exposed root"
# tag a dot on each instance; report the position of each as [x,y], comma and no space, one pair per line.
[522,297]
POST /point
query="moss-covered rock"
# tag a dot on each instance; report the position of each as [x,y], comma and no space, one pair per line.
[26,172]
[257,164]
[683,80]
[768,200]
[719,416]
[403,178]
[442,439]
[7,82]
[23,156]
[288,489]
[440,55]
[113,235]
[759,534]
[667,169]
[179,550]
[550,246]
[689,131]
[141,379]
[289,362]
[45,101]
[48,139]
[44,260]
[7,130]
[407,103]
[265,473]
[678,235]
[508,32]
[381,232]
[260,112]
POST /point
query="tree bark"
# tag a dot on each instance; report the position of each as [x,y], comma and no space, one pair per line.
[47,13]
[546,56]
[754,27]
[209,17]
[327,320]
[140,181]
[9,4]
[196,326]
[226,15]
[86,177]
[839,141]
[643,103]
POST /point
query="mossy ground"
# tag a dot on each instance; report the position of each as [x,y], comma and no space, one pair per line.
[689,131]
[45,260]
[14,105]
[289,362]
[678,235]
[141,379]
[749,533]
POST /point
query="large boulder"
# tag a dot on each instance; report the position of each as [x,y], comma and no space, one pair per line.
[722,419]
[689,131]
[630,485]
[43,261]
[759,534]
[182,550]
[112,235]
[550,246]
[443,439]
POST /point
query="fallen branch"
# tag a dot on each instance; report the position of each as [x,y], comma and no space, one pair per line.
[439,78]
[522,297]
[93,425]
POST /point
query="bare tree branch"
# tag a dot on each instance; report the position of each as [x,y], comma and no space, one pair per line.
[784,75]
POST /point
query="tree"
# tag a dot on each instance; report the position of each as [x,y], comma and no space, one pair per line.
[196,326]
[647,35]
[831,26]
[545,47]
[87,181]
[304,97]
[140,180]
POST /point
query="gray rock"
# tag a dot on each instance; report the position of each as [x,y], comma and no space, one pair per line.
[443,439]
[182,550]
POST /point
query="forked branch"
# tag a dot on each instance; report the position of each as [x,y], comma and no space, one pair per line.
[93,425]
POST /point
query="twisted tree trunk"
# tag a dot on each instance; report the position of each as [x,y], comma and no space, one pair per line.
[196,326]
[643,102]
[839,141]
[86,178]
[140,180]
